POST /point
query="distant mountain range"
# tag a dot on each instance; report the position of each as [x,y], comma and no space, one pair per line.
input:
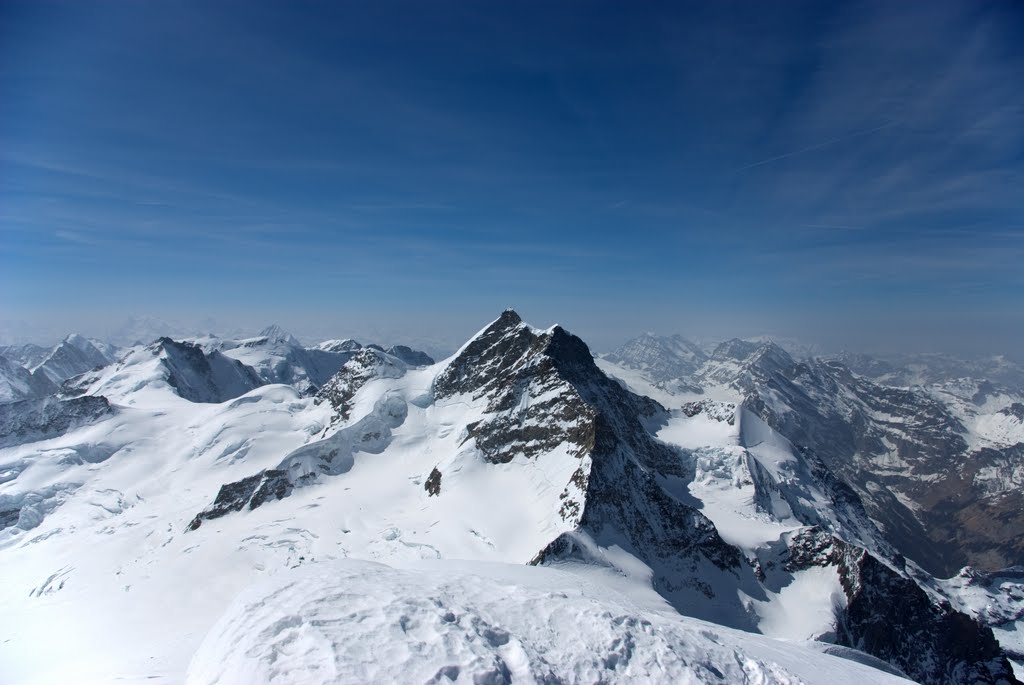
[784,520]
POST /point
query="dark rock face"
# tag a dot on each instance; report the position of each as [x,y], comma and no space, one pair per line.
[890,445]
[31,420]
[889,616]
[433,484]
[1005,590]
[717,411]
[9,517]
[543,390]
[1015,410]
[250,492]
[509,363]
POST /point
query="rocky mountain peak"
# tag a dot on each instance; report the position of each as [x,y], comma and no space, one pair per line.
[735,349]
[366,364]
[503,347]
[344,345]
[274,333]
[510,317]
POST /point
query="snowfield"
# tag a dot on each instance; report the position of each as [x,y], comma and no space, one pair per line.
[383,530]
[470,622]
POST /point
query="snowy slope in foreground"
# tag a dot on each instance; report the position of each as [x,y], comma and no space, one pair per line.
[471,622]
[147,521]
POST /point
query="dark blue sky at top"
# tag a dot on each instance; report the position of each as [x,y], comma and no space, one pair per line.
[848,173]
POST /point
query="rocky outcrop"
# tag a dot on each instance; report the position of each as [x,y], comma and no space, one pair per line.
[248,493]
[889,616]
[716,411]
[433,484]
[304,466]
[661,358]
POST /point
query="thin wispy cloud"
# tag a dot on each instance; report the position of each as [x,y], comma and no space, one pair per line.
[817,146]
[642,166]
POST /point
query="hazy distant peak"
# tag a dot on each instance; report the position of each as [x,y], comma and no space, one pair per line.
[275,333]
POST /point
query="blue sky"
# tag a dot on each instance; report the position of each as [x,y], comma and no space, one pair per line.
[847,173]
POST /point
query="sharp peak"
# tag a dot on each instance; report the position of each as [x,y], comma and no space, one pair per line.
[508,321]
[272,328]
[276,332]
[510,316]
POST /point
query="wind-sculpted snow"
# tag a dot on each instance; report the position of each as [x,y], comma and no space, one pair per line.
[24,511]
[352,622]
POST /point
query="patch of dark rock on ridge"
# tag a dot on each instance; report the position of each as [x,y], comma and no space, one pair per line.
[9,517]
[717,411]
[433,484]
[271,484]
[1015,410]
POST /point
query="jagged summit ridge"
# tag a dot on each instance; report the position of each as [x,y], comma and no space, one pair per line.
[519,449]
[276,333]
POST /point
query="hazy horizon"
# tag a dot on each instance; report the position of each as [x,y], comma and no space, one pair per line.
[143,328]
[846,174]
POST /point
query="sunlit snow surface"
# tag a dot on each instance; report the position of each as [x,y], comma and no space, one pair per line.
[469,622]
[107,586]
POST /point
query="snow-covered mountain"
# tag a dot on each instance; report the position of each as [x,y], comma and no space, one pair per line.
[18,383]
[664,358]
[938,467]
[929,369]
[279,357]
[27,355]
[693,541]
[75,355]
[185,368]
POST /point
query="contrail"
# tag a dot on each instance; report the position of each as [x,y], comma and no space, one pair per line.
[817,146]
